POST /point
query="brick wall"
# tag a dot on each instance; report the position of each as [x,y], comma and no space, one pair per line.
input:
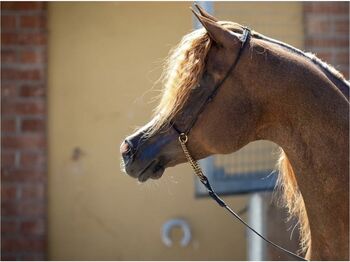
[327,32]
[23,130]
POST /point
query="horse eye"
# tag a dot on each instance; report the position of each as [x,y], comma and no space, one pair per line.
[206,76]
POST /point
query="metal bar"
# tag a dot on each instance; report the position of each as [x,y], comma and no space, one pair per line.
[256,249]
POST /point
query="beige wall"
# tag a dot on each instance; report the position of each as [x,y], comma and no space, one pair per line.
[103,58]
[279,20]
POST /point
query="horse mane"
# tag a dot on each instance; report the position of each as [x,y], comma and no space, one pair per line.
[182,70]
[310,56]
[292,199]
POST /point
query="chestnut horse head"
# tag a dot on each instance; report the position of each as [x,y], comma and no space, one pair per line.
[196,67]
[225,90]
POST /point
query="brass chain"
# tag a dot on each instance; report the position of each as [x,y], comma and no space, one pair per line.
[196,168]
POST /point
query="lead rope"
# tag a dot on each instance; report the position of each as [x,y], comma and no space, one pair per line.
[199,173]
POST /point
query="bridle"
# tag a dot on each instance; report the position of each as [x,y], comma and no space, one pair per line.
[183,139]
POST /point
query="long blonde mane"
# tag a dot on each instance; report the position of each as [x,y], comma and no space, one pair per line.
[182,71]
[292,199]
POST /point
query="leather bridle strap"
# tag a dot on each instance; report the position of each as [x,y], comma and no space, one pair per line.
[183,139]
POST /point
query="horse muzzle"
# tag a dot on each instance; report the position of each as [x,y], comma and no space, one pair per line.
[142,158]
[146,155]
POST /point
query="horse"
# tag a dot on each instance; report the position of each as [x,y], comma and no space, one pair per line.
[275,92]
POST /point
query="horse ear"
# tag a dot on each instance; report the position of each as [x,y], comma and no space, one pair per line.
[204,13]
[217,33]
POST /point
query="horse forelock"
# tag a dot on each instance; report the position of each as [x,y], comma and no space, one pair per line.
[182,69]
[292,199]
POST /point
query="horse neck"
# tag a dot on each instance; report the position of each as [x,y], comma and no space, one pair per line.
[307,115]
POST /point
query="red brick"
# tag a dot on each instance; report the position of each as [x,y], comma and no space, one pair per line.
[32,21]
[8,22]
[32,159]
[342,68]
[32,38]
[8,56]
[327,42]
[33,228]
[32,91]
[23,142]
[17,74]
[8,125]
[8,90]
[342,58]
[23,107]
[29,57]
[26,209]
[317,26]
[8,192]
[31,209]
[9,38]
[33,191]
[9,257]
[22,175]
[8,227]
[23,6]
[9,74]
[23,245]
[33,257]
[325,56]
[7,159]
[8,208]
[33,125]
[327,7]
[342,27]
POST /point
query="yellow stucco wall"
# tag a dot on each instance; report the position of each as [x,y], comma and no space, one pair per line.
[280,20]
[103,60]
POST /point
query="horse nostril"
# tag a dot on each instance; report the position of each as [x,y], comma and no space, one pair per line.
[126,151]
[124,147]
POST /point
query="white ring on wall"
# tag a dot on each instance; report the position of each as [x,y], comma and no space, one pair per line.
[169,225]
